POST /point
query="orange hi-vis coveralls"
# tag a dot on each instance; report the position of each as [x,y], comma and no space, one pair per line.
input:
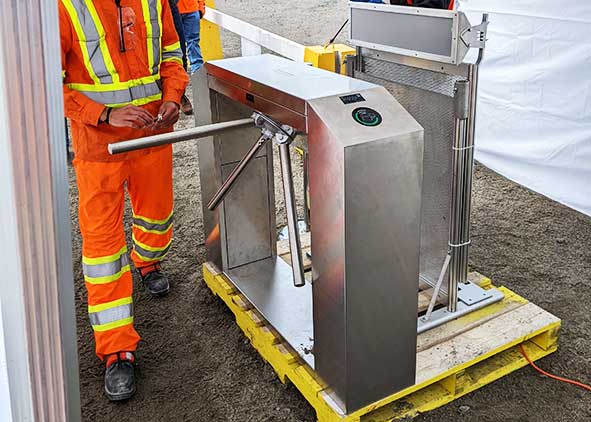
[96,74]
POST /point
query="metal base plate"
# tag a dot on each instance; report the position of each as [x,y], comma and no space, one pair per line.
[268,285]
[470,298]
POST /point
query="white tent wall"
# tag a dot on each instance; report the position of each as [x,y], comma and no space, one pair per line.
[534,109]
[5,407]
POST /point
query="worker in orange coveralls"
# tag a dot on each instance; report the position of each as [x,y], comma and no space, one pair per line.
[123,79]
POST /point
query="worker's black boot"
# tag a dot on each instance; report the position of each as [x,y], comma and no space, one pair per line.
[155,280]
[120,377]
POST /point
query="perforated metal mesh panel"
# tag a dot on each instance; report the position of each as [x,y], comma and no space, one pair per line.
[428,97]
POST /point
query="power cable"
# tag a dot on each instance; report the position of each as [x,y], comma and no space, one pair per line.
[549,375]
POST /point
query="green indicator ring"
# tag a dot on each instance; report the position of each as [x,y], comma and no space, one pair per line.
[367,116]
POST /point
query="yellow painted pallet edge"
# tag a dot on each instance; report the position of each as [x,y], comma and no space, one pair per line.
[410,402]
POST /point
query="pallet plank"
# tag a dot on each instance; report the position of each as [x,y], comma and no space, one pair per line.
[479,342]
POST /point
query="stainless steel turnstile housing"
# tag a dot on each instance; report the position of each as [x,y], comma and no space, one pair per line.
[356,322]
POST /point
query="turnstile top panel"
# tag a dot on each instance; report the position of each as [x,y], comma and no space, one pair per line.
[282,81]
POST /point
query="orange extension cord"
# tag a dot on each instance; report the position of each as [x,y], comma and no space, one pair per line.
[541,371]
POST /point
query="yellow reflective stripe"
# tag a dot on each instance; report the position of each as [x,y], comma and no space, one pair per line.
[63,74]
[109,305]
[108,278]
[172,47]
[82,37]
[113,325]
[149,33]
[151,248]
[139,102]
[102,41]
[145,230]
[115,86]
[104,259]
[173,59]
[152,221]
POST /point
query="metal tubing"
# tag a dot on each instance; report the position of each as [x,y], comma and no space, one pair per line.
[295,247]
[174,137]
[229,182]
[459,216]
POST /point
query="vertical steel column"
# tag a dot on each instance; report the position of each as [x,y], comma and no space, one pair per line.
[473,79]
[460,203]
[295,247]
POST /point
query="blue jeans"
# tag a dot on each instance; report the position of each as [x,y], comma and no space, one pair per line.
[178,25]
[191,28]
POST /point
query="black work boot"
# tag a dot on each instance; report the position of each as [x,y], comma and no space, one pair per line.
[120,377]
[154,279]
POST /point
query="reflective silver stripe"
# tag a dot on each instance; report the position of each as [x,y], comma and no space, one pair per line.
[124,96]
[156,34]
[92,41]
[178,53]
[153,226]
[151,255]
[105,270]
[110,315]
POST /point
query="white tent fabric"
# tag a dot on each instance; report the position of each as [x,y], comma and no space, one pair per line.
[534,110]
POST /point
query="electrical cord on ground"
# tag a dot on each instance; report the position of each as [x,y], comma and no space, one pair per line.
[556,377]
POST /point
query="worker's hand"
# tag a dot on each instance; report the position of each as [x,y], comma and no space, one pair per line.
[168,115]
[130,116]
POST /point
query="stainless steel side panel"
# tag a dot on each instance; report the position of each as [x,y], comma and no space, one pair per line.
[243,228]
[210,172]
[365,193]
[246,208]
[268,285]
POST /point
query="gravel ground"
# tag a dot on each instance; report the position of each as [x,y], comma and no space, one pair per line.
[195,364]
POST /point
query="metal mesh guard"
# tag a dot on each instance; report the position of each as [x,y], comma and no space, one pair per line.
[428,97]
[426,80]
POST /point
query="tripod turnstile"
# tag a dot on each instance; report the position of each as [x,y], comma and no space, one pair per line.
[354,322]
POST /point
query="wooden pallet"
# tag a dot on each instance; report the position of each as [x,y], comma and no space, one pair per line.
[452,360]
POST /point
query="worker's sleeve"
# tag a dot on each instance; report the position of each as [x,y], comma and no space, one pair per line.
[77,106]
[201,4]
[172,74]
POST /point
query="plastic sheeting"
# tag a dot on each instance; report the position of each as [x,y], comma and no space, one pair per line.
[534,110]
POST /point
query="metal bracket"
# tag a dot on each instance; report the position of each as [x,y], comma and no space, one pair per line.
[280,134]
[471,294]
[471,298]
[475,36]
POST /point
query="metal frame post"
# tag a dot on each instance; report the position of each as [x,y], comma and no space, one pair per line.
[460,216]
[37,287]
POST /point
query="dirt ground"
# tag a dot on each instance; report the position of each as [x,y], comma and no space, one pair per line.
[195,364]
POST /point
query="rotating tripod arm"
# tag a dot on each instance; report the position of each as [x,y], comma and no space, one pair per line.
[180,136]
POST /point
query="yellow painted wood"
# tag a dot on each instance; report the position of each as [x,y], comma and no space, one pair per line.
[326,57]
[514,318]
[211,41]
